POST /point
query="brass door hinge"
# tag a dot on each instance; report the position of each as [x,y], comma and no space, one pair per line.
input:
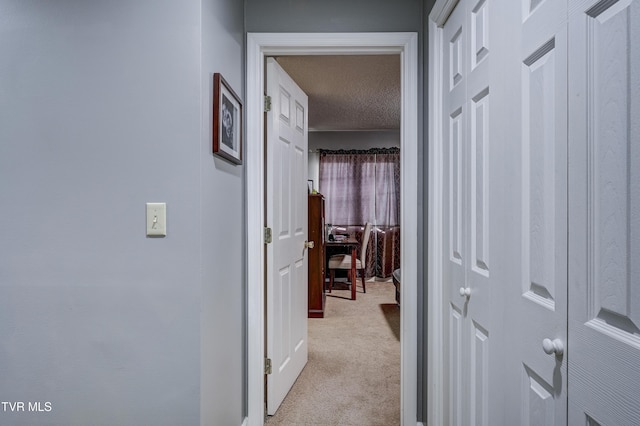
[267,366]
[267,235]
[267,103]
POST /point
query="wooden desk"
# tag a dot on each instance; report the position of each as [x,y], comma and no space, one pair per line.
[353,245]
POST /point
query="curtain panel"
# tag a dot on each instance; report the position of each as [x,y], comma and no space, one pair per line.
[363,186]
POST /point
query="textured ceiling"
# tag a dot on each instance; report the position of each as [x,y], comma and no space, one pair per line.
[348,92]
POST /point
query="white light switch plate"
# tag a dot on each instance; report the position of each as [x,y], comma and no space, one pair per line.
[157,219]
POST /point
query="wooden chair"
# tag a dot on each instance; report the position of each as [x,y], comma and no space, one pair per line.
[343,261]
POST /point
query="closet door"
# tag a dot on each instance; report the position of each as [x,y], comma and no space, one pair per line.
[476,192]
[604,212]
[454,219]
[537,301]
[483,195]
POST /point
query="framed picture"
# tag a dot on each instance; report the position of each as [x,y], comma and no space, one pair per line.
[310,186]
[227,121]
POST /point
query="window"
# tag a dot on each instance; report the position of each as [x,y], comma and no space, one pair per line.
[364,186]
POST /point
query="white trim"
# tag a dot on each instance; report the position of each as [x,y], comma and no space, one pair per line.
[260,45]
[435,364]
[254,152]
[441,11]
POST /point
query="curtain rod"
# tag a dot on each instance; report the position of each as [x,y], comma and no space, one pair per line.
[360,151]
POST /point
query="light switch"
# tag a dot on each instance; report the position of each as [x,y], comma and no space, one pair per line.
[157,219]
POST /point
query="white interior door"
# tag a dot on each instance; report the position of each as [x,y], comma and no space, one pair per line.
[604,211]
[563,215]
[454,218]
[472,181]
[483,196]
[287,263]
[538,307]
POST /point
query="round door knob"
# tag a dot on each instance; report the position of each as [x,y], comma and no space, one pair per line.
[465,292]
[553,346]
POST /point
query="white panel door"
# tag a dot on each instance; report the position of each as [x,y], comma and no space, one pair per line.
[538,308]
[454,218]
[287,263]
[482,196]
[604,211]
[471,196]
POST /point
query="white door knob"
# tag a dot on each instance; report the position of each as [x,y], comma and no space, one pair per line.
[465,292]
[553,346]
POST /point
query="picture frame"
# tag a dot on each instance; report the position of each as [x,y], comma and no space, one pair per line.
[227,121]
[310,186]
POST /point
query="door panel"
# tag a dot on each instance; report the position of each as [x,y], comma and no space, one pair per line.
[455,223]
[287,265]
[479,387]
[481,315]
[480,183]
[542,303]
[505,159]
[479,32]
[604,206]
[457,362]
[539,406]
[541,211]
[467,213]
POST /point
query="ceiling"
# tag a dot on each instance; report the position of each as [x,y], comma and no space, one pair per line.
[348,92]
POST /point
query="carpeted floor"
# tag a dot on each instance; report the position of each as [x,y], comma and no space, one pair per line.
[353,373]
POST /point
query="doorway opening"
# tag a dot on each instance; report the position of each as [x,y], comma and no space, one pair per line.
[259,46]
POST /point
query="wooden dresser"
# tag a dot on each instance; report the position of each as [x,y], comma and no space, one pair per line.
[316,256]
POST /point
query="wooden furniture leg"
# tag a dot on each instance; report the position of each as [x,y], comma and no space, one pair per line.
[354,277]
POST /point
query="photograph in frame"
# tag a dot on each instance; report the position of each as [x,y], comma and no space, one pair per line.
[227,121]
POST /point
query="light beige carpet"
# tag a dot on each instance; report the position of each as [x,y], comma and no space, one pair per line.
[353,373]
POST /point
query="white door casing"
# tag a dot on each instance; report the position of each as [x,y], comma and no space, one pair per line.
[260,45]
[287,263]
[437,382]
[604,212]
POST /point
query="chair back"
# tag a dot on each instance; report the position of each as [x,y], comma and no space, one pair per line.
[365,243]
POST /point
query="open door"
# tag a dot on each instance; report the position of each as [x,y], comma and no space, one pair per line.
[287,264]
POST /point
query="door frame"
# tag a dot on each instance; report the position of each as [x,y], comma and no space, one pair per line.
[436,288]
[260,45]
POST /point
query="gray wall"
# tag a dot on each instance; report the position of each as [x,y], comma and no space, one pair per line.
[333,15]
[105,106]
[354,140]
[222,229]
[363,16]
